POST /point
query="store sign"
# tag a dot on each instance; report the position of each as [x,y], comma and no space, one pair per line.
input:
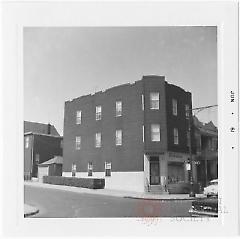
[175,155]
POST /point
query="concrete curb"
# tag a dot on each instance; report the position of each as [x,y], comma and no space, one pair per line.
[164,199]
[30,211]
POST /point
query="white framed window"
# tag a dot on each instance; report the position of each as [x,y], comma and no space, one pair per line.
[118,108]
[142,101]
[108,168]
[74,169]
[37,158]
[98,139]
[118,137]
[78,143]
[175,136]
[90,168]
[79,117]
[188,139]
[143,133]
[98,112]
[61,143]
[187,112]
[27,139]
[155,133]
[154,101]
[174,106]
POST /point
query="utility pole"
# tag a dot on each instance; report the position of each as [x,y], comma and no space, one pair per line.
[192,193]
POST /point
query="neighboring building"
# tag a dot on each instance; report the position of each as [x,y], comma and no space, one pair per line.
[41,143]
[206,136]
[134,135]
[52,167]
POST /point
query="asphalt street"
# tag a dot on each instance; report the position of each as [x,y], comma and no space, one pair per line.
[53,203]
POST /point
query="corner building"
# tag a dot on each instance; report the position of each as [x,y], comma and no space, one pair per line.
[134,135]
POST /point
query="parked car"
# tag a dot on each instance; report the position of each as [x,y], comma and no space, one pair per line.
[207,207]
[211,189]
[182,188]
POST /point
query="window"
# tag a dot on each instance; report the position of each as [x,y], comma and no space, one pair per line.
[61,143]
[26,142]
[155,132]
[174,105]
[187,112]
[90,169]
[37,158]
[108,167]
[175,135]
[74,169]
[118,108]
[188,139]
[78,142]
[142,102]
[98,140]
[79,117]
[98,112]
[154,101]
[143,133]
[118,137]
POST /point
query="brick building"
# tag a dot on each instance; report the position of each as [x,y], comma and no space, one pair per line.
[41,143]
[206,136]
[134,135]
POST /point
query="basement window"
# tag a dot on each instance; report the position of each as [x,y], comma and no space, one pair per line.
[90,169]
[108,167]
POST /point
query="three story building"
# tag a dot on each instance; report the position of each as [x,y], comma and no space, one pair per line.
[134,135]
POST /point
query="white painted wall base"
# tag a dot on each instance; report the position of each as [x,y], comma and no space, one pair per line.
[127,181]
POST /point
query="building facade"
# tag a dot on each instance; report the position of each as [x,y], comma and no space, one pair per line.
[206,136]
[134,135]
[41,143]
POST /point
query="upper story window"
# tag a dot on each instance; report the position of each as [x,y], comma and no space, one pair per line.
[142,101]
[143,133]
[174,106]
[155,132]
[27,142]
[98,138]
[79,117]
[187,112]
[78,143]
[37,158]
[98,112]
[175,136]
[154,101]
[118,108]
[118,137]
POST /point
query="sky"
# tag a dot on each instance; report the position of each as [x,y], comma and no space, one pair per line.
[62,63]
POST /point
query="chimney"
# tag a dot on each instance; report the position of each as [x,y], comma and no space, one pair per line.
[49,128]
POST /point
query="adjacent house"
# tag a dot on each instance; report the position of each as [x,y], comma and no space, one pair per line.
[206,136]
[133,135]
[41,143]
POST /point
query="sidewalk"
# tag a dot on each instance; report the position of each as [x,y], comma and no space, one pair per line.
[115,193]
[29,210]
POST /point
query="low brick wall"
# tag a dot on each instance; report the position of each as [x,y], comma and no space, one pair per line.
[93,183]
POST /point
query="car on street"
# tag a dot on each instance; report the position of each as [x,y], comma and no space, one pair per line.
[207,207]
[211,189]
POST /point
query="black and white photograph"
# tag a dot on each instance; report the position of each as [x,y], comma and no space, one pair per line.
[121,121]
[120,118]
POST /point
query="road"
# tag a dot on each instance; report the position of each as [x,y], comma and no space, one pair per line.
[54,203]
